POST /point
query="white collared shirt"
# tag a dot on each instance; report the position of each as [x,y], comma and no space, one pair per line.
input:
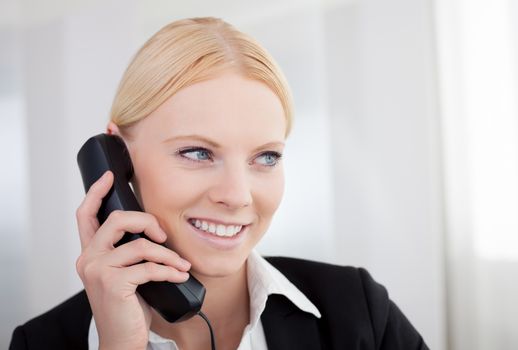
[263,280]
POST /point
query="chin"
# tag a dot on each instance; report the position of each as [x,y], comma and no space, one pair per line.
[223,265]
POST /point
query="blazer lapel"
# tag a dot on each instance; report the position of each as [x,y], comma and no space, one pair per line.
[287,327]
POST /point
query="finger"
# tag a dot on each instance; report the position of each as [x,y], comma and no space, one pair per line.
[142,249]
[86,213]
[119,222]
[142,273]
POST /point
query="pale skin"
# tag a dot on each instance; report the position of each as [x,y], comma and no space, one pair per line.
[230,173]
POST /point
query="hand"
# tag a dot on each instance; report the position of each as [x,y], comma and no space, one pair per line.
[111,275]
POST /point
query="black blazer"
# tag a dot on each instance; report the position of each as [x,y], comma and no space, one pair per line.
[356,314]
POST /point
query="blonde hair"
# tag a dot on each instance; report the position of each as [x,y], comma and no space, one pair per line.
[186,52]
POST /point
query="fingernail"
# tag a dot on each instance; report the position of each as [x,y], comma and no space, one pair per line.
[186,263]
[163,235]
[105,175]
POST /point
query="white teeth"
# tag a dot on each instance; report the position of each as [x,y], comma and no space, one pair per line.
[230,231]
[217,229]
[221,230]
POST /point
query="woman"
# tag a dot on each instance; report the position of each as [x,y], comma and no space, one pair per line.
[204,112]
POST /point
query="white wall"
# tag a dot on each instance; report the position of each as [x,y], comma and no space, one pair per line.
[13,188]
[72,67]
[386,144]
[362,167]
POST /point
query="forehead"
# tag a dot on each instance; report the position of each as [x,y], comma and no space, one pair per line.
[225,108]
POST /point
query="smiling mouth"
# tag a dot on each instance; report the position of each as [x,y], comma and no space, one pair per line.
[217,229]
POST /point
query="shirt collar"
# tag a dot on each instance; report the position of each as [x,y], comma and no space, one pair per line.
[263,280]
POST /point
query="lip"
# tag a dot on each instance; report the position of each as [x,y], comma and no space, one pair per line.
[217,242]
[217,222]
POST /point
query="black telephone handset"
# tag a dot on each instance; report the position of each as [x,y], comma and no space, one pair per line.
[173,301]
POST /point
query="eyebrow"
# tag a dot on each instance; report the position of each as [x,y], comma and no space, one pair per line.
[213,143]
[192,137]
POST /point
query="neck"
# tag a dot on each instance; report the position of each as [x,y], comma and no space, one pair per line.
[226,305]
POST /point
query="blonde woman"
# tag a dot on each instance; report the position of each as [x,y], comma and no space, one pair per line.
[205,113]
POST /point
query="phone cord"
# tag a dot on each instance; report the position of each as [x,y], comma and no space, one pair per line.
[212,342]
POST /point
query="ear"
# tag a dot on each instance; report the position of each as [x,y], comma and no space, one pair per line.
[113,129]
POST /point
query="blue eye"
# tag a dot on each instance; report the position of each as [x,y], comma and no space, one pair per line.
[195,154]
[270,158]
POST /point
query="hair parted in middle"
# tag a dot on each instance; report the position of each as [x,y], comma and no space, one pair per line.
[188,51]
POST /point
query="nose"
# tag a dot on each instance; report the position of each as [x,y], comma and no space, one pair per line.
[232,188]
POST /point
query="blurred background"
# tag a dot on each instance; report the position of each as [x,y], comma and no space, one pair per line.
[403,158]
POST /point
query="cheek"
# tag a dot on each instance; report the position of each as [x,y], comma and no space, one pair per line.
[269,196]
[162,187]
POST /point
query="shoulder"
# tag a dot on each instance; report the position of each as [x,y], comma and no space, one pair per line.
[349,298]
[321,280]
[64,326]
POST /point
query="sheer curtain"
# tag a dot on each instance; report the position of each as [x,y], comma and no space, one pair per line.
[478,74]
